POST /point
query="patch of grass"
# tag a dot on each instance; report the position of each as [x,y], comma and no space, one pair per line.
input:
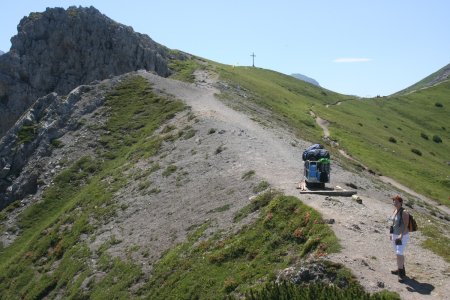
[27,133]
[436,241]
[255,204]
[221,208]
[288,290]
[247,175]
[263,185]
[189,134]
[144,185]
[184,69]
[169,170]
[213,268]
[155,191]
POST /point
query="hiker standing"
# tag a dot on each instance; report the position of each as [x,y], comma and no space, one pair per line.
[399,235]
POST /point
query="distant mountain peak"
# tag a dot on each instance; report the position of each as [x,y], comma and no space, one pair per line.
[305,78]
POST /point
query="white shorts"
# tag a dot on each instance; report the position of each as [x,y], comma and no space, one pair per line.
[399,249]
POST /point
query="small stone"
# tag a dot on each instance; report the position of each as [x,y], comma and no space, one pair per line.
[380,284]
[356,227]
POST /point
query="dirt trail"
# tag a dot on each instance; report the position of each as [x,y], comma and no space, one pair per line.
[361,228]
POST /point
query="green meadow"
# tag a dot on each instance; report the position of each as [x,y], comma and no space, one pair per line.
[405,137]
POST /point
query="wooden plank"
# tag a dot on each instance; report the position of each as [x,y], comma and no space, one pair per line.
[343,193]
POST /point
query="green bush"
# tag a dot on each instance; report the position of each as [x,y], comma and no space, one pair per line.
[437,139]
[417,152]
[56,143]
[424,136]
[392,140]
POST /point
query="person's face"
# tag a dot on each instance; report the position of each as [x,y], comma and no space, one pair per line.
[396,203]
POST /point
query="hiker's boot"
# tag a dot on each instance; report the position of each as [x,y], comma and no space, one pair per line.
[401,275]
[395,272]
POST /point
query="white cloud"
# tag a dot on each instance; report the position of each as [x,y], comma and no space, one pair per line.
[351,60]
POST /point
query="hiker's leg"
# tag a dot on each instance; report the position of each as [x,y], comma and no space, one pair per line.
[400,261]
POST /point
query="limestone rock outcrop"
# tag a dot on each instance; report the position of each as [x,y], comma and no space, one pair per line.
[58,50]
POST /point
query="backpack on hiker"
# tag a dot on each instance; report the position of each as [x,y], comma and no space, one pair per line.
[412,224]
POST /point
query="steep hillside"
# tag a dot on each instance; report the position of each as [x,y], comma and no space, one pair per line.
[148,198]
[58,50]
[404,137]
[433,79]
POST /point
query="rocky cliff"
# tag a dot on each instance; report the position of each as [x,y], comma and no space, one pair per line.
[58,50]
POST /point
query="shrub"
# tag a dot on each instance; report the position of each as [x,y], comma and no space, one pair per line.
[392,140]
[56,143]
[437,139]
[417,152]
[438,104]
[211,131]
[424,136]
[219,150]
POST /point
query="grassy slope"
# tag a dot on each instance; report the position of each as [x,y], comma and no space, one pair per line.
[50,254]
[364,127]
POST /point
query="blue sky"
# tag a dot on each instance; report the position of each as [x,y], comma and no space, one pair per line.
[357,47]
